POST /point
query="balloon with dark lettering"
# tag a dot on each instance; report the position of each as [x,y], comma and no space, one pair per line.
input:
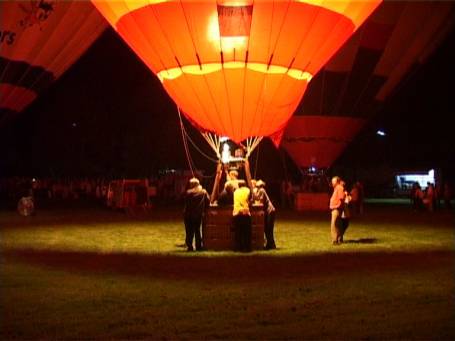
[39,40]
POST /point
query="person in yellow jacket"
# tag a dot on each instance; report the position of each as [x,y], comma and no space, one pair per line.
[242,217]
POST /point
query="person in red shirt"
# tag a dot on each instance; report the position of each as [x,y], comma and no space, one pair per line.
[336,208]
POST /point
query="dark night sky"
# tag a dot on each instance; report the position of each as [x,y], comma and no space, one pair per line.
[417,118]
[125,124]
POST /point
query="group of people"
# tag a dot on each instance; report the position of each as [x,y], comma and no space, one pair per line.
[24,192]
[168,188]
[341,205]
[53,188]
[429,199]
[237,194]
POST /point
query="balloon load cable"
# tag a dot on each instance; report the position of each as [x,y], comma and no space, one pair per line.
[185,143]
[185,138]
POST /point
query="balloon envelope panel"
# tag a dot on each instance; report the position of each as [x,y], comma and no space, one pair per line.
[393,42]
[39,40]
[236,68]
[354,84]
[318,141]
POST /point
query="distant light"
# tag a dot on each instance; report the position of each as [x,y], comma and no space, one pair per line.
[312,169]
[380,133]
[423,179]
[74,124]
[224,138]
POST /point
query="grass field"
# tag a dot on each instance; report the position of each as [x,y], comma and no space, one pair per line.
[91,273]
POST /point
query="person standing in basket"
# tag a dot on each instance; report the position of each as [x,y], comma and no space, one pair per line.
[196,200]
[242,217]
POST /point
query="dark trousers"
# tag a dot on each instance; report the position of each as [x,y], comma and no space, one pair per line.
[269,223]
[344,224]
[193,230]
[242,226]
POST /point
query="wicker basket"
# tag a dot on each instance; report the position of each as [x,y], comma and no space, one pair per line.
[218,231]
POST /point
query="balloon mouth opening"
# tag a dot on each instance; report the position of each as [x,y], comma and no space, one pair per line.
[208,68]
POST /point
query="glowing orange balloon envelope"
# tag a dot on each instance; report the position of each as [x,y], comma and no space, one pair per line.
[236,68]
[39,40]
[318,140]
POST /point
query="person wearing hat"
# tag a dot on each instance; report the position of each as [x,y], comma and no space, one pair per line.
[269,214]
[196,200]
[226,197]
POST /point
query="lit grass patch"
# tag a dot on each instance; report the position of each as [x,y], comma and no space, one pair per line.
[93,274]
[106,232]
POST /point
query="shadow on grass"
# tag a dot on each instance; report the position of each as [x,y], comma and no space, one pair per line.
[361,241]
[246,267]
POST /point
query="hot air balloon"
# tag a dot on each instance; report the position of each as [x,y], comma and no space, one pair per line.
[236,68]
[39,40]
[354,84]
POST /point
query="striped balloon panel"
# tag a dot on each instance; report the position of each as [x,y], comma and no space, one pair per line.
[319,140]
[39,40]
[392,43]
